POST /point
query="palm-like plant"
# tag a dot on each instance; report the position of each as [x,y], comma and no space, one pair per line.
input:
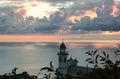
[105,60]
[93,58]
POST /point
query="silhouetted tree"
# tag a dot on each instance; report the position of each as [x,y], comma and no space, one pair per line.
[93,58]
[109,69]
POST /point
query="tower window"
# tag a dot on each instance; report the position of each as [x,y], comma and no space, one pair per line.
[60,59]
[64,59]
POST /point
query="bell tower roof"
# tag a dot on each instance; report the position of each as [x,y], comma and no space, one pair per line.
[62,45]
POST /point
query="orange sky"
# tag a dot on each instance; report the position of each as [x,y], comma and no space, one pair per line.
[30,38]
[48,38]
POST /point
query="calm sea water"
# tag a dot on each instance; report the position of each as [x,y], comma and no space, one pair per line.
[31,57]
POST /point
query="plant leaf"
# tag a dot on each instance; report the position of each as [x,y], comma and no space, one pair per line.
[96,62]
[51,64]
[96,57]
[91,62]
[103,59]
[89,53]
[44,68]
[101,56]
[49,75]
[107,56]
[104,53]
[102,63]
[109,62]
[88,59]
[95,52]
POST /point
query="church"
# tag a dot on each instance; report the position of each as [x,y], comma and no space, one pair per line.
[69,66]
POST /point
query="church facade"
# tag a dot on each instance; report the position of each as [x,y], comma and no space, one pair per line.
[69,66]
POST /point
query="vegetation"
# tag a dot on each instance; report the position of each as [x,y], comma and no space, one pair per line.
[14,75]
[52,73]
[107,69]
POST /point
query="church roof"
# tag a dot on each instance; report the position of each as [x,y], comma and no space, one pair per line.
[71,59]
[62,45]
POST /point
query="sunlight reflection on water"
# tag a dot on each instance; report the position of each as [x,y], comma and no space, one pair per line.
[32,56]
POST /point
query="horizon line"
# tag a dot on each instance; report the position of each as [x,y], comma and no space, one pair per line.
[100,41]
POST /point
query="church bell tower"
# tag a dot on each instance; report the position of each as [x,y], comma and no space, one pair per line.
[62,59]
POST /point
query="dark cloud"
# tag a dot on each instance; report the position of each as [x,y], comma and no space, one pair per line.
[97,24]
[104,21]
[50,25]
[13,21]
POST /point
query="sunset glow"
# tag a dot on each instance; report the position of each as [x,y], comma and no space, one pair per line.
[91,14]
[111,33]
[31,38]
[73,18]
[48,38]
[40,10]
[115,11]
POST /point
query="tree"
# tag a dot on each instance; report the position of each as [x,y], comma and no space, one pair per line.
[93,58]
[109,69]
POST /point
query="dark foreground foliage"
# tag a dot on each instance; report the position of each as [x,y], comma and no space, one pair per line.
[108,69]
[14,75]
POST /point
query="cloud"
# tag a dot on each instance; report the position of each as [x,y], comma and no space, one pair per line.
[51,25]
[104,21]
[10,18]
[13,20]
[74,15]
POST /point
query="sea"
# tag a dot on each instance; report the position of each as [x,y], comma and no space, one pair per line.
[32,56]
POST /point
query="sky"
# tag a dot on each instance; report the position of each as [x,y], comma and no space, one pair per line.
[52,20]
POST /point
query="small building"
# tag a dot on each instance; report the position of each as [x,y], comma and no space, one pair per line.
[69,66]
